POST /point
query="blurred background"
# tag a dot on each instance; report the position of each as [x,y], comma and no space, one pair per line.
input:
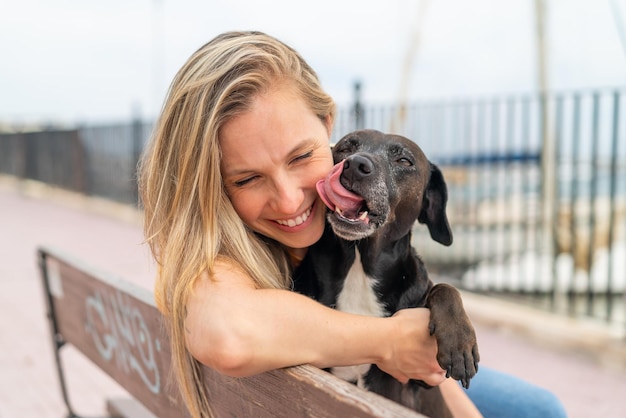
[71,61]
[517,101]
[520,103]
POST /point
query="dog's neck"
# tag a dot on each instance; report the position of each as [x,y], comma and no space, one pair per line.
[376,251]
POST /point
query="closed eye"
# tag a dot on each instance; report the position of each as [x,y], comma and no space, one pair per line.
[404,161]
[243,182]
[348,146]
[301,157]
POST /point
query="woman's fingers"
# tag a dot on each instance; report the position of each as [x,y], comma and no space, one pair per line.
[413,349]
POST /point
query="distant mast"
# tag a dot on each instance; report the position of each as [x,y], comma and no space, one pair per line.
[398,118]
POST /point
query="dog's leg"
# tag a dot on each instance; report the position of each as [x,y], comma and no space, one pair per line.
[456,339]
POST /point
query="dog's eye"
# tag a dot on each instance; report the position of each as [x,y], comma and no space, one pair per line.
[346,146]
[404,161]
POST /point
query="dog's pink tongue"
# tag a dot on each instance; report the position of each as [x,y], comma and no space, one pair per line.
[334,195]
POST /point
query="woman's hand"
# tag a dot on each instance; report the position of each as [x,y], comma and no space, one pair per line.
[413,351]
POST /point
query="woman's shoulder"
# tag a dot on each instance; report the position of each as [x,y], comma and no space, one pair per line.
[227,271]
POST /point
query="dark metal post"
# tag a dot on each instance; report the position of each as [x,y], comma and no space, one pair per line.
[593,192]
[357,107]
[557,193]
[576,124]
[612,204]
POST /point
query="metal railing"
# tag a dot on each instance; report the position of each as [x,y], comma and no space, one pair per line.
[570,260]
[94,160]
[490,151]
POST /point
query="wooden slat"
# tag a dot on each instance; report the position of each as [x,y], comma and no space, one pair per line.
[297,392]
[117,326]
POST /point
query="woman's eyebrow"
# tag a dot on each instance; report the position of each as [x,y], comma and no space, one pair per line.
[305,143]
[234,171]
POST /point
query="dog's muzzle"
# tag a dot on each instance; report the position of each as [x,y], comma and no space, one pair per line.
[356,197]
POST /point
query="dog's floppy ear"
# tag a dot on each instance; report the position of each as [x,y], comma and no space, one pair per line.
[433,213]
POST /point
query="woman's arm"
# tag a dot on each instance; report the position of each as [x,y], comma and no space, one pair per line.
[457,400]
[239,331]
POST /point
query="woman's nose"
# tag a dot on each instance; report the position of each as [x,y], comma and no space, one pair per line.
[289,196]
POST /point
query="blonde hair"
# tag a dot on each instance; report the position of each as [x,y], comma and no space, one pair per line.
[189,219]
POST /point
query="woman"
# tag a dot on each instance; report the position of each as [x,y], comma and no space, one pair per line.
[228,186]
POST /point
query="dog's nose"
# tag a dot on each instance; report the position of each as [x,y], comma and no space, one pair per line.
[358,166]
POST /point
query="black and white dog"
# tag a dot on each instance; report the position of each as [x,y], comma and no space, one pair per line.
[365,264]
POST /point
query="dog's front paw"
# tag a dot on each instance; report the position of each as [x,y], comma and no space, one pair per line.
[456,339]
[457,350]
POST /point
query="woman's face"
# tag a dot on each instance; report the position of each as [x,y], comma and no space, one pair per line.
[272,156]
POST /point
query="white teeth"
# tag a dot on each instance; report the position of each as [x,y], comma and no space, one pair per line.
[362,215]
[297,221]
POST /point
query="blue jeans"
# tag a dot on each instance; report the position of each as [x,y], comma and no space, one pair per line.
[498,394]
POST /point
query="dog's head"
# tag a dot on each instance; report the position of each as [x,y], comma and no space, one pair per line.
[384,183]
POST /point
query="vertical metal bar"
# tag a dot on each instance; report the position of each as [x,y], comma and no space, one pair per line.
[498,197]
[612,202]
[574,198]
[557,191]
[471,220]
[545,182]
[595,140]
[459,135]
[510,177]
[527,180]
[481,178]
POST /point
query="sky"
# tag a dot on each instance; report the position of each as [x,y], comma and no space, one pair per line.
[88,61]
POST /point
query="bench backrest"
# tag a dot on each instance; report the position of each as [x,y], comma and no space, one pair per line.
[117,326]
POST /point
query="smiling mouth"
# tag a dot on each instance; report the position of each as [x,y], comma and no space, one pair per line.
[295,221]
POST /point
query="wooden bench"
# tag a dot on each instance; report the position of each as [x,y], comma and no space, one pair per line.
[116,325]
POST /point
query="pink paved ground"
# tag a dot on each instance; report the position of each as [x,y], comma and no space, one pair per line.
[28,382]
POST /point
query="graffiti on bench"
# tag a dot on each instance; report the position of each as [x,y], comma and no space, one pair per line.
[120,333]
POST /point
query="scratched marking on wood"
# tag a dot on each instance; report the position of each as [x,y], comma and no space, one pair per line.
[120,333]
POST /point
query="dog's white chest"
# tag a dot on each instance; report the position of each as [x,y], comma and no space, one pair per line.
[359,297]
